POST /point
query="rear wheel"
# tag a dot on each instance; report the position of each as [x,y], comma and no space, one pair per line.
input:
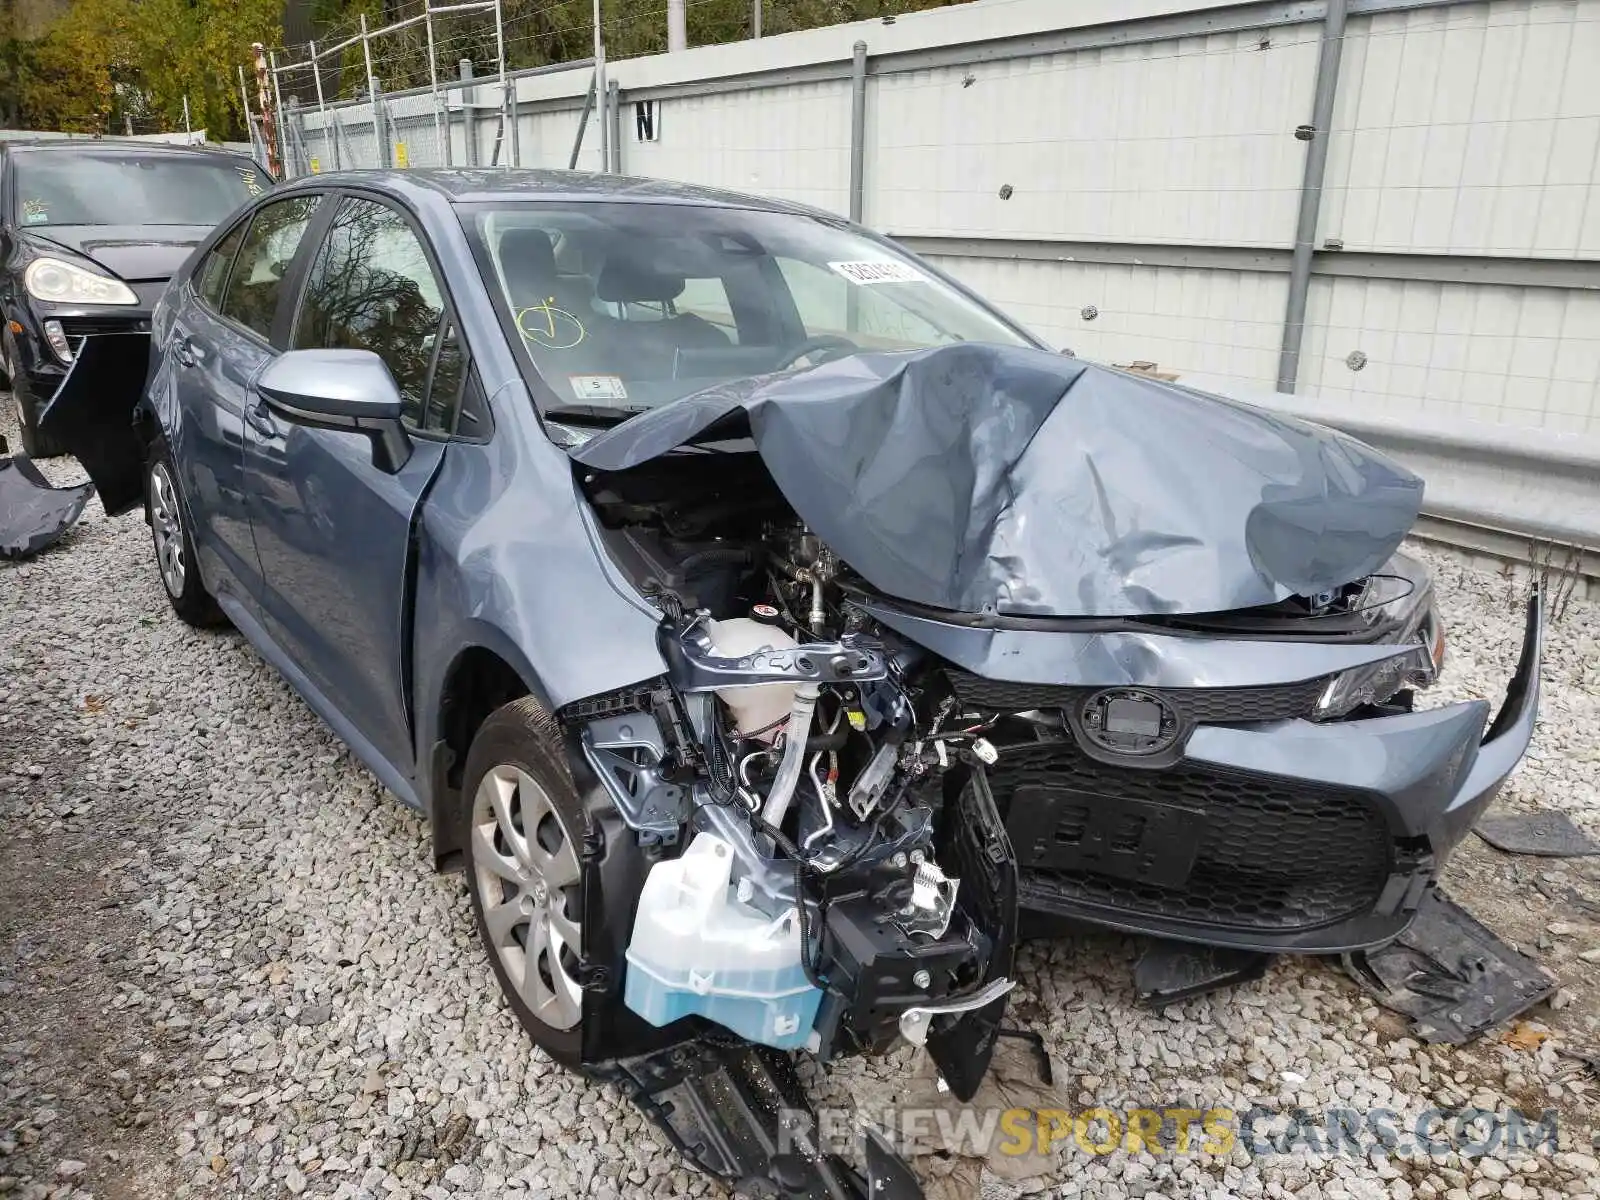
[174,546]
[524,832]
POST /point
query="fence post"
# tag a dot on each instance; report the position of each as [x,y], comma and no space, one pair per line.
[858,132]
[600,89]
[614,127]
[583,123]
[380,135]
[277,107]
[440,135]
[322,107]
[249,121]
[469,113]
[1305,231]
[508,106]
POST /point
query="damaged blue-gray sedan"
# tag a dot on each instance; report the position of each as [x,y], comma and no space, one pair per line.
[762,620]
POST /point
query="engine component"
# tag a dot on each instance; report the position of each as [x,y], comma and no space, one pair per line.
[758,709]
[697,949]
[794,753]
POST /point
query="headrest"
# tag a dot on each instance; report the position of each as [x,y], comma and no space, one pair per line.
[624,282]
[527,254]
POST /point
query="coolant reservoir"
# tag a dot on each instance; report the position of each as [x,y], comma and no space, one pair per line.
[698,949]
[759,705]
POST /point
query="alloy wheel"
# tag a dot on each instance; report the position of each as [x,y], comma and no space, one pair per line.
[166,524]
[527,870]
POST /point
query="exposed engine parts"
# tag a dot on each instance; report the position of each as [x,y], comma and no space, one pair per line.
[785,771]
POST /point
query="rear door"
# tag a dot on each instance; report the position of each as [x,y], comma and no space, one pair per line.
[333,531]
[221,339]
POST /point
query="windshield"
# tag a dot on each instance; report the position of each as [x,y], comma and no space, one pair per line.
[57,187]
[630,306]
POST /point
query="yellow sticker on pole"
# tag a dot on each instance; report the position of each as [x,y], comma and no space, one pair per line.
[400,158]
[316,166]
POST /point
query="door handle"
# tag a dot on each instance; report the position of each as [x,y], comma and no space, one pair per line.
[259,416]
[183,352]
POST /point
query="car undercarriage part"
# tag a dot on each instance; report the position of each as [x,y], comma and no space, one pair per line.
[739,1114]
[34,515]
[1541,834]
[1450,974]
[1168,972]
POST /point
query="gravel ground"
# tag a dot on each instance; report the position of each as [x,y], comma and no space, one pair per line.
[226,968]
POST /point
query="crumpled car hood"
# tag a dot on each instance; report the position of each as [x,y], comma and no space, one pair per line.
[1010,481]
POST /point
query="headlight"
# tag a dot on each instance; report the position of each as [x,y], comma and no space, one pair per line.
[67,283]
[1401,594]
[1374,683]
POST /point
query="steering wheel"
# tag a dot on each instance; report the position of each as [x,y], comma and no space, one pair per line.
[841,346]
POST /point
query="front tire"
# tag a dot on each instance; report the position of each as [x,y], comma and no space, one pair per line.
[524,832]
[34,443]
[174,544]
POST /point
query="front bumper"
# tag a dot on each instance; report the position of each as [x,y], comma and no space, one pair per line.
[1279,835]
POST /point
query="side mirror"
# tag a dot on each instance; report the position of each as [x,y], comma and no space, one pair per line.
[340,389]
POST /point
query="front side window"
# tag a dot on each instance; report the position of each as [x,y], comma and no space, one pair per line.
[121,187]
[371,287]
[256,281]
[634,305]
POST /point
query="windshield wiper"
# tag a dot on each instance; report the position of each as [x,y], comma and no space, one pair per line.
[603,416]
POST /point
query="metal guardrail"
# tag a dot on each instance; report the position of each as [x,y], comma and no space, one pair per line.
[1529,495]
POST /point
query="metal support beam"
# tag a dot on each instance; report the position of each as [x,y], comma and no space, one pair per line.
[277,108]
[583,122]
[469,112]
[322,106]
[507,107]
[441,128]
[380,135]
[858,130]
[614,126]
[1305,231]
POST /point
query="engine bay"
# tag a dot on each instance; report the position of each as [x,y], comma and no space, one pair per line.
[839,884]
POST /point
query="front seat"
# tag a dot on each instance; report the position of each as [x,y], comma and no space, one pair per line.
[624,280]
[528,265]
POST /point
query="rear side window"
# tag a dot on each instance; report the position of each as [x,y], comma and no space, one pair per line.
[212,276]
[257,278]
[371,287]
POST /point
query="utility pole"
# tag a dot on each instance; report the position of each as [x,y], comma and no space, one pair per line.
[187,132]
[755,18]
[600,89]
[677,26]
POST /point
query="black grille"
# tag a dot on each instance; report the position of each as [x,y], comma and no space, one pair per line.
[1192,843]
[77,327]
[1215,705]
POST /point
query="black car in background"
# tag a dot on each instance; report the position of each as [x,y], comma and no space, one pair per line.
[90,232]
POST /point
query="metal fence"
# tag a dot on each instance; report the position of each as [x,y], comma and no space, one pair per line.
[1393,205]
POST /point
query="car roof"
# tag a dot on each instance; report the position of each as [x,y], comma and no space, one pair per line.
[118,144]
[472,186]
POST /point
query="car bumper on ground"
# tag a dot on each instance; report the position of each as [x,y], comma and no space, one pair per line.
[1275,836]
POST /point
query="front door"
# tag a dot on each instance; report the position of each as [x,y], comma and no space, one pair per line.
[334,532]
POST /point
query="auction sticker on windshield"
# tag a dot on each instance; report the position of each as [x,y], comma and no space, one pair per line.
[598,387]
[877,272]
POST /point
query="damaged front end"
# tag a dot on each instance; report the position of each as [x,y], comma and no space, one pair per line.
[953,632]
[813,877]
[92,414]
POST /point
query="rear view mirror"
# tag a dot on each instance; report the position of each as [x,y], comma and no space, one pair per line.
[340,389]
